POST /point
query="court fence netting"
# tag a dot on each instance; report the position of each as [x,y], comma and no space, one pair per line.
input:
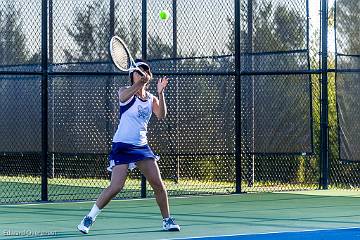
[263,95]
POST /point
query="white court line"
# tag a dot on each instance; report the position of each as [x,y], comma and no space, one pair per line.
[266,233]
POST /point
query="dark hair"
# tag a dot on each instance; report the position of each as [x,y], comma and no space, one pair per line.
[146,68]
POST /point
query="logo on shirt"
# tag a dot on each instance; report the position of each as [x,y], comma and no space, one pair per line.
[143,113]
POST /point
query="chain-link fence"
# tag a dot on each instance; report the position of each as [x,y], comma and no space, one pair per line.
[245,109]
[345,155]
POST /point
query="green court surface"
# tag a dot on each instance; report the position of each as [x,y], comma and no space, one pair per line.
[198,216]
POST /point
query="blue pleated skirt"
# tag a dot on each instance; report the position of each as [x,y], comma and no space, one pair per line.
[124,153]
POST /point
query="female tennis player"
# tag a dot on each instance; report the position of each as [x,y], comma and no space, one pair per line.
[130,146]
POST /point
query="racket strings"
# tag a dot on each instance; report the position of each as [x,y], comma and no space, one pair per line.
[120,55]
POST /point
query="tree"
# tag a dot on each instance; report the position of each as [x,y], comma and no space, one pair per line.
[13,47]
[346,100]
[348,26]
[158,49]
[18,93]
[90,34]
[275,27]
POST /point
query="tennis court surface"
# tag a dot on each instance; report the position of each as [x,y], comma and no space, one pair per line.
[302,215]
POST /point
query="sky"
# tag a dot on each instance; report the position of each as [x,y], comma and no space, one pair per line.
[314,12]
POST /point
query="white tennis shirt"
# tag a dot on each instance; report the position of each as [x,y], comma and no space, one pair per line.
[135,115]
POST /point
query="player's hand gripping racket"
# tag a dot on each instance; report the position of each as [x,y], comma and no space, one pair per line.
[121,56]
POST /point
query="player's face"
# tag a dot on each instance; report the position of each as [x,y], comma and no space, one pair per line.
[137,76]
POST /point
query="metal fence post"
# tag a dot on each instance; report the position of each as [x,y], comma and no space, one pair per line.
[324,130]
[237,99]
[143,56]
[110,79]
[174,56]
[248,65]
[44,102]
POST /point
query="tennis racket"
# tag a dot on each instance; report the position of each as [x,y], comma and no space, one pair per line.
[121,56]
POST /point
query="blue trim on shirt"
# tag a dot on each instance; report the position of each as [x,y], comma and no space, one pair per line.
[124,108]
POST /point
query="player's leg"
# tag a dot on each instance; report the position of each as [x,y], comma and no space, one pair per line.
[151,171]
[118,178]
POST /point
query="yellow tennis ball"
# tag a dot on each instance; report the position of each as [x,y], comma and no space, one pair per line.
[164,15]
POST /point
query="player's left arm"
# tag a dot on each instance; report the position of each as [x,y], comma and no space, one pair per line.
[159,104]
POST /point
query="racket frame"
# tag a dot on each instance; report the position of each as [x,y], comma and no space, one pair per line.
[132,62]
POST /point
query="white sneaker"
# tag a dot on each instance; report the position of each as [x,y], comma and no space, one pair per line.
[169,224]
[85,224]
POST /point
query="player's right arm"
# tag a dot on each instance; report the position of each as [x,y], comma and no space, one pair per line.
[125,93]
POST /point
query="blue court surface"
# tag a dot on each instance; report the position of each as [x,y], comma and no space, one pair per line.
[321,234]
